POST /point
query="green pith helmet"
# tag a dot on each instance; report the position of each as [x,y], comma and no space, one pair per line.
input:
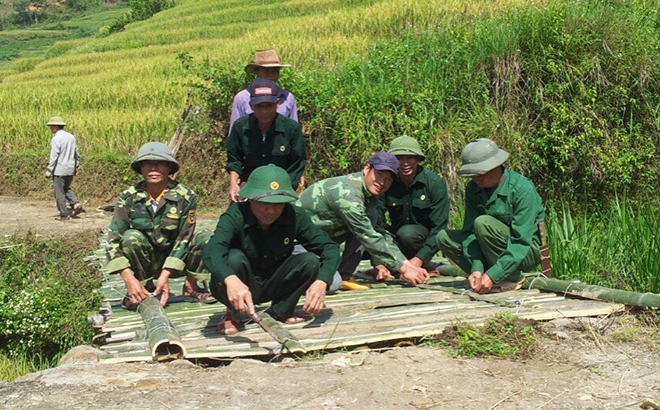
[480,157]
[56,121]
[269,183]
[406,146]
[154,151]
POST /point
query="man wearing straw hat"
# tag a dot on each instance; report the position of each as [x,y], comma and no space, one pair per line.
[266,66]
[417,204]
[264,137]
[251,258]
[62,167]
[152,233]
[500,236]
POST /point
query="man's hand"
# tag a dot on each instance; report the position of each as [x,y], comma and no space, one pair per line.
[239,295]
[480,283]
[413,274]
[233,192]
[163,286]
[48,174]
[416,262]
[134,288]
[382,273]
[315,297]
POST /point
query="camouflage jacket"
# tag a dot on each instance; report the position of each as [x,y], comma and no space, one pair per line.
[341,206]
[169,229]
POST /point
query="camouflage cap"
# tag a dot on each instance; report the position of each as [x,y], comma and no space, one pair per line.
[480,157]
[406,146]
[154,151]
[56,121]
[269,183]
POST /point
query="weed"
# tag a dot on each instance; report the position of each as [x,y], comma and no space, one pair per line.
[502,336]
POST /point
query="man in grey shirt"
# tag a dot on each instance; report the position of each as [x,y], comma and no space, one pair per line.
[62,166]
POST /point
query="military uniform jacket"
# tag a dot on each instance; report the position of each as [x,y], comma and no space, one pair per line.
[238,228]
[340,205]
[169,230]
[424,203]
[283,145]
[515,203]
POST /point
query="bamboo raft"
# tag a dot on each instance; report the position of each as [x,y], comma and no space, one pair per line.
[386,313]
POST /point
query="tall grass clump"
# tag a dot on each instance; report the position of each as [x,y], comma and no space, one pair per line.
[46,292]
[617,247]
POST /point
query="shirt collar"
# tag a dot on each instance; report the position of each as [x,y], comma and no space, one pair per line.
[504,188]
[277,124]
[250,220]
[170,193]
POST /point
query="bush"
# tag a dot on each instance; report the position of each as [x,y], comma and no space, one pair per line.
[140,10]
[46,291]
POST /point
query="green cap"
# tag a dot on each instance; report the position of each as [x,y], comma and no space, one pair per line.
[406,146]
[269,183]
[480,157]
[56,121]
[154,151]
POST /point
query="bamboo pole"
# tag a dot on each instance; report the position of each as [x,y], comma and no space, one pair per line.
[164,340]
[593,292]
[278,333]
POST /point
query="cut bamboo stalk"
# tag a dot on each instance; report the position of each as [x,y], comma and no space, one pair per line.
[546,266]
[164,340]
[593,292]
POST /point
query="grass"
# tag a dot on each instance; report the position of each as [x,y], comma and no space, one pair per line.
[616,247]
[502,336]
[15,366]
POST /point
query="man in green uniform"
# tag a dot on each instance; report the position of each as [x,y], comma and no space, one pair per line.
[250,255]
[152,232]
[264,137]
[417,204]
[346,208]
[500,235]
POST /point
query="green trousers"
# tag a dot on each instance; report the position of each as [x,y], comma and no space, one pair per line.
[410,239]
[147,263]
[283,287]
[492,236]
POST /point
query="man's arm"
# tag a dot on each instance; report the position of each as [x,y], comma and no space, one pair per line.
[186,229]
[118,225]
[526,207]
[471,249]
[238,108]
[298,155]
[294,107]
[439,216]
[54,155]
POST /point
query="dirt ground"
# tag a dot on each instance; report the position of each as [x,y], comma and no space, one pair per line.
[576,368]
[576,372]
[21,214]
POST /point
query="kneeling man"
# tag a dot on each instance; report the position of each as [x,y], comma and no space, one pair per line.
[152,232]
[250,254]
[500,236]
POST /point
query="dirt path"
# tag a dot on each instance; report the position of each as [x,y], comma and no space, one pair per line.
[573,373]
[21,214]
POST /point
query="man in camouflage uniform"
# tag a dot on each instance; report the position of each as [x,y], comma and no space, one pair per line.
[346,207]
[500,236]
[417,203]
[264,137]
[251,257]
[152,232]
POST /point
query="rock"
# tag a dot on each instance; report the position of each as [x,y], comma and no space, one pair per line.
[81,354]
[183,364]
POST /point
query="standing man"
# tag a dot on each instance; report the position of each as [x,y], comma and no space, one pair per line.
[417,203]
[346,207]
[500,235]
[266,66]
[250,254]
[152,232]
[62,166]
[264,137]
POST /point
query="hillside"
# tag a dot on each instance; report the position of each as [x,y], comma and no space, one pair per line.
[548,80]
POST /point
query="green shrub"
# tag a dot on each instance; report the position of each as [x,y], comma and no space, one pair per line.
[46,291]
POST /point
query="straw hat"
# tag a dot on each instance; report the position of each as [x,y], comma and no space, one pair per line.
[56,121]
[265,58]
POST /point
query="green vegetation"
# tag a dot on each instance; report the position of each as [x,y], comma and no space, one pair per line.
[617,247]
[140,10]
[46,291]
[502,336]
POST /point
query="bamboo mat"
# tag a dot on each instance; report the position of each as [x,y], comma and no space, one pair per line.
[384,313]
